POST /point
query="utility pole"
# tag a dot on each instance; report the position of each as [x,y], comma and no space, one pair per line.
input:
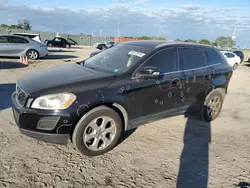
[118,29]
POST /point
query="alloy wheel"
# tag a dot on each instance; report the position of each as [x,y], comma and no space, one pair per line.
[99,133]
[33,54]
[213,107]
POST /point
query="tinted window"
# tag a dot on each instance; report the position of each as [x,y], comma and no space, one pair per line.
[229,55]
[3,40]
[193,58]
[165,60]
[240,53]
[18,40]
[213,57]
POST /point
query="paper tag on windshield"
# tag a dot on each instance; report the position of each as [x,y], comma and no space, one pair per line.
[139,54]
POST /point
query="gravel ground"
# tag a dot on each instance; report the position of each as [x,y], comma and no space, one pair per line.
[174,152]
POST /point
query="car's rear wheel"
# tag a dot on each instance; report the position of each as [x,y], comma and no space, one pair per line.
[32,54]
[98,131]
[213,104]
[235,66]
[67,46]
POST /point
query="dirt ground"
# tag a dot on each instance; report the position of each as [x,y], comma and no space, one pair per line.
[174,152]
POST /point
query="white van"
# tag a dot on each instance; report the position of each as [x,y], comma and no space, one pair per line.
[33,36]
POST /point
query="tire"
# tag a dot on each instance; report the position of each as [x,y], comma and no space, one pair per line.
[206,109]
[67,46]
[235,66]
[32,54]
[88,140]
[49,45]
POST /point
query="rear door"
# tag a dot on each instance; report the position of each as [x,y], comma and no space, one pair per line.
[197,74]
[5,48]
[18,45]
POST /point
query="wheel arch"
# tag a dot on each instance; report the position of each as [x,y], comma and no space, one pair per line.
[118,108]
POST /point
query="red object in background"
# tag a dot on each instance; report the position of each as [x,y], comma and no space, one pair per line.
[124,39]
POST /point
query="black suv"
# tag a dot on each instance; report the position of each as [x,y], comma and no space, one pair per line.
[240,54]
[94,101]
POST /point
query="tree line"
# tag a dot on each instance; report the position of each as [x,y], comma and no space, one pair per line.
[21,24]
[222,42]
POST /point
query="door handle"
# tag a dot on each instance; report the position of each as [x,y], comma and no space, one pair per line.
[206,77]
[175,82]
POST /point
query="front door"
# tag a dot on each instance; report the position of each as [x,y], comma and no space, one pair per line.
[18,45]
[197,75]
[5,48]
[156,96]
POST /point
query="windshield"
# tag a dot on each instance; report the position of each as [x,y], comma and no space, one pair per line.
[117,59]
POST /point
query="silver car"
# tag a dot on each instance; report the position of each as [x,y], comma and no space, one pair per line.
[16,46]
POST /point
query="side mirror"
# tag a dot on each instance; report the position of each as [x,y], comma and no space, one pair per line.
[148,72]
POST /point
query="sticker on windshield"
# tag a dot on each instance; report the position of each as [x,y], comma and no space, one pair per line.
[139,54]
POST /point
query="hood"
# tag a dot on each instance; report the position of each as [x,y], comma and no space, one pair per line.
[64,78]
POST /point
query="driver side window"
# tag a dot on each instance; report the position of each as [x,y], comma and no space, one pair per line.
[165,60]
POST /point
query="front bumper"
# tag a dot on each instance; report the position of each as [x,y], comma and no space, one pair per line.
[44,125]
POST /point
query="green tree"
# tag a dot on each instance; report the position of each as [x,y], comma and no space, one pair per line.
[24,24]
[205,41]
[191,40]
[161,38]
[4,26]
[179,40]
[145,38]
[225,42]
[13,27]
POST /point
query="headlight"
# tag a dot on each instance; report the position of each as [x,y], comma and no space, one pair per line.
[54,101]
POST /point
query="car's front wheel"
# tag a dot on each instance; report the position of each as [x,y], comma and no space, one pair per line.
[67,46]
[98,131]
[32,54]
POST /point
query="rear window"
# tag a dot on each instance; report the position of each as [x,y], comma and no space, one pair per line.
[3,39]
[18,40]
[192,58]
[213,57]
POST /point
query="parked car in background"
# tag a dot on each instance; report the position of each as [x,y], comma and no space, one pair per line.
[240,54]
[95,101]
[104,45]
[101,48]
[58,42]
[16,46]
[33,36]
[232,59]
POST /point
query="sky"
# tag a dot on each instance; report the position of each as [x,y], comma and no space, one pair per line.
[189,19]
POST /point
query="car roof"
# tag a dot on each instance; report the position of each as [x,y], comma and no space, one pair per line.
[225,51]
[35,34]
[160,43]
[10,35]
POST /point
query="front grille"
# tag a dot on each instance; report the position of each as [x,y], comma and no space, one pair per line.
[21,96]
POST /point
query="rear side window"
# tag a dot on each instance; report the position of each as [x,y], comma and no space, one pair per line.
[165,60]
[3,40]
[213,57]
[229,55]
[18,40]
[192,58]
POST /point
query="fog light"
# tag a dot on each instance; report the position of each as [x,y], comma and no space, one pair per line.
[48,123]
